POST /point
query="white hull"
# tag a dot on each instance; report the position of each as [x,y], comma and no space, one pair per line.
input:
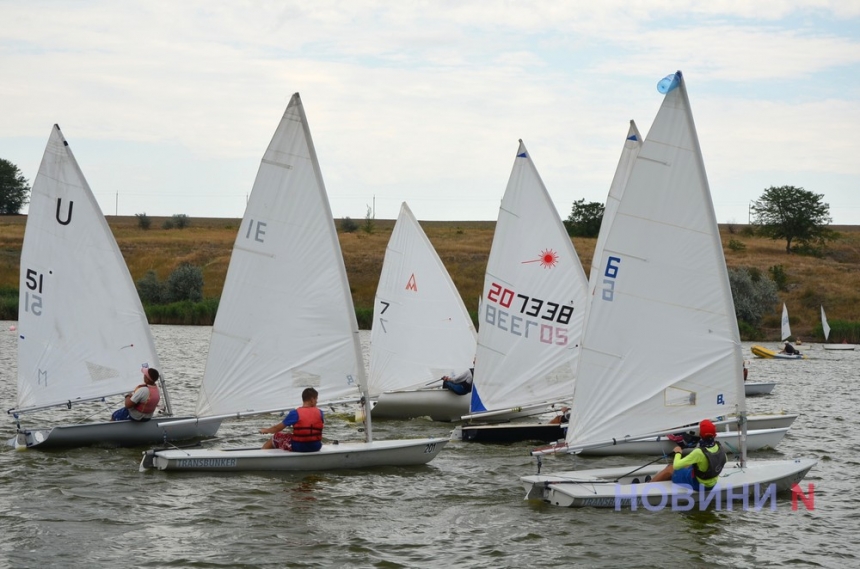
[838,347]
[620,487]
[517,432]
[331,457]
[756,440]
[753,388]
[438,404]
[112,434]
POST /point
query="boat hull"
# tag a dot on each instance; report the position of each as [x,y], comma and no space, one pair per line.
[762,352]
[838,347]
[438,404]
[625,487]
[512,433]
[756,440]
[112,434]
[547,433]
[755,388]
[405,452]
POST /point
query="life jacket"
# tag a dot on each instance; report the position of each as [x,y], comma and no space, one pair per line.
[716,462]
[149,406]
[309,427]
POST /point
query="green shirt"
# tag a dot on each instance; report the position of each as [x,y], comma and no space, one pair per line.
[697,458]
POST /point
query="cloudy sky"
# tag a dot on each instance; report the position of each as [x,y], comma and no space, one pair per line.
[168,106]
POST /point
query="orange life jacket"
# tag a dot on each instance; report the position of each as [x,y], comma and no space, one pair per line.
[309,427]
[149,406]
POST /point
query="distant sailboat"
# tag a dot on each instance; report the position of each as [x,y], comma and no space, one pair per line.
[762,352]
[82,332]
[286,322]
[663,263]
[826,328]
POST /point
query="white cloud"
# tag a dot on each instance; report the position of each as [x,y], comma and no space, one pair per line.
[423,101]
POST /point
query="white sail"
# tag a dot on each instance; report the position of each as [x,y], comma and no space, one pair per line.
[661,346]
[632,144]
[421,329]
[824,325]
[534,300]
[286,319]
[82,331]
[786,327]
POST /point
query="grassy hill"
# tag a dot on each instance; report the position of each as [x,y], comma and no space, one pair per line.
[833,280]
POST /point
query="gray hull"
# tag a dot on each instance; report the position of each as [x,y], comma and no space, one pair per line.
[408,452]
[112,434]
[438,404]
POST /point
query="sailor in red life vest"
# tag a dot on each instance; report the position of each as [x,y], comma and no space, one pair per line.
[140,405]
[307,422]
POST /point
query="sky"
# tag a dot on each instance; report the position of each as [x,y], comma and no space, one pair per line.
[168,106]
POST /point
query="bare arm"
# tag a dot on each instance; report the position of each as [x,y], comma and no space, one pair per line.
[277,428]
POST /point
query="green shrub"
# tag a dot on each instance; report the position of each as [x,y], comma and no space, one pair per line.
[736,245]
[364,316]
[348,225]
[8,303]
[143,220]
[779,276]
[181,221]
[753,297]
[150,290]
[185,283]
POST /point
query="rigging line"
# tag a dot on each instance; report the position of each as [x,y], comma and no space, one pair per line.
[104,403]
[641,467]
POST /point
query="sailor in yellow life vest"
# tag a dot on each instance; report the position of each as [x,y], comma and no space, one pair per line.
[697,467]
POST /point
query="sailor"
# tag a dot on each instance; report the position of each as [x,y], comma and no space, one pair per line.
[697,467]
[460,384]
[789,349]
[307,422]
[140,405]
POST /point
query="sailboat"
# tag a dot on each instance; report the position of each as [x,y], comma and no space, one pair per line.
[762,352]
[663,266]
[532,313]
[826,328]
[286,322]
[82,332]
[421,331]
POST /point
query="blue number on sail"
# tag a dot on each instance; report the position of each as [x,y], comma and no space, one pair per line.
[611,273]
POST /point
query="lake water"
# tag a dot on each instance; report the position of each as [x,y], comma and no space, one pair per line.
[92,508]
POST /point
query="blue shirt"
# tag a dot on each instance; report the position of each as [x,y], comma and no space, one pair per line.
[291,419]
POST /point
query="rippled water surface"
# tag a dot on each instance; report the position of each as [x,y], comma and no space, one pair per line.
[92,508]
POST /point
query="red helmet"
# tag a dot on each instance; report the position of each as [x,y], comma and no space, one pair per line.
[707,430]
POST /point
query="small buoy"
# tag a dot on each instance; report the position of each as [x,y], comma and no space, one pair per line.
[12,328]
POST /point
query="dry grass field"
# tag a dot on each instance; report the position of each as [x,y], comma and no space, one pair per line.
[833,280]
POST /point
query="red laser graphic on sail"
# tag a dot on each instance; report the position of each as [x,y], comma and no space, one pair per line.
[547,259]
